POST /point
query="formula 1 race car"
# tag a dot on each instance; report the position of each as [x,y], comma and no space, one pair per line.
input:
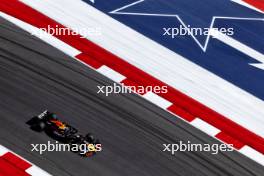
[63,132]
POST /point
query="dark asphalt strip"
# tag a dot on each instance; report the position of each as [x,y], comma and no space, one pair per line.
[35,76]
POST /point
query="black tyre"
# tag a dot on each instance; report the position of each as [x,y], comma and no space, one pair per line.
[39,126]
[90,138]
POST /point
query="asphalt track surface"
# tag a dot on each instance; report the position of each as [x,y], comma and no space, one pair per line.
[35,76]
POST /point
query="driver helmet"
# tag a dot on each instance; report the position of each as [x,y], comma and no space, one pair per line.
[54,116]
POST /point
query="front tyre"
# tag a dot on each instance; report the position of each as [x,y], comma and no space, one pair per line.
[39,126]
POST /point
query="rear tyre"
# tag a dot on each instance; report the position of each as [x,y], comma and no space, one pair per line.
[90,138]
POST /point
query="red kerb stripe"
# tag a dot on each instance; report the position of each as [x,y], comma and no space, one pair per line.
[7,169]
[256,3]
[16,161]
[229,140]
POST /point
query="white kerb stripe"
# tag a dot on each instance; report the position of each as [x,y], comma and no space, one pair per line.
[110,73]
[205,127]
[3,150]
[42,35]
[36,171]
[154,98]
[253,154]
